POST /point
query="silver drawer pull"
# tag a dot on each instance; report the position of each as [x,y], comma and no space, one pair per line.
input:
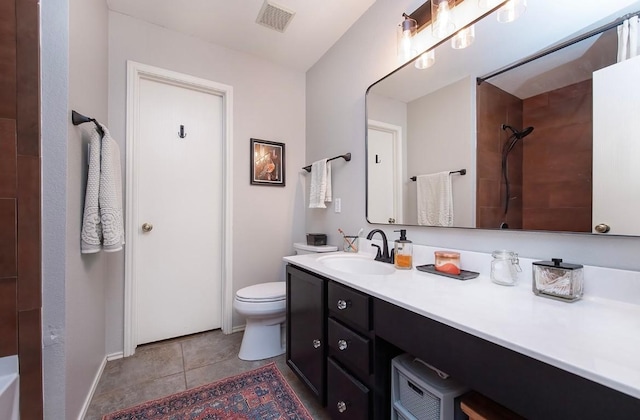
[343,304]
[343,344]
[342,406]
[316,343]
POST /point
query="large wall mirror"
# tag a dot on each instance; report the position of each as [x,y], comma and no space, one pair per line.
[550,145]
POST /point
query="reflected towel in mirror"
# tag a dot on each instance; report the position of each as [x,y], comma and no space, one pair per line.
[435,199]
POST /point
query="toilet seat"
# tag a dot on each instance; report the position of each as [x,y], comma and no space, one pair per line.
[262,293]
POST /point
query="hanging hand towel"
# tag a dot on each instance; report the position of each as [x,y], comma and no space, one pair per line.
[320,190]
[91,235]
[435,199]
[110,196]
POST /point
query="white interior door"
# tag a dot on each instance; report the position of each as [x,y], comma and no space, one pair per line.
[384,203]
[179,184]
[616,174]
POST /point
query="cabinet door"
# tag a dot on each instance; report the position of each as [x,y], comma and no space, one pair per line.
[306,329]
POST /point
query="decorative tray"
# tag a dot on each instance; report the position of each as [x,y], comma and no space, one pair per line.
[464,274]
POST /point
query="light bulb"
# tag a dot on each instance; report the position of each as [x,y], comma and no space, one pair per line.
[426,60]
[511,10]
[463,38]
[406,30]
[442,18]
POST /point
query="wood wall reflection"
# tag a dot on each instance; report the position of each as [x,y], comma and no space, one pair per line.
[549,171]
[20,254]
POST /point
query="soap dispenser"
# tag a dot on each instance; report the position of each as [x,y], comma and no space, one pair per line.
[403,251]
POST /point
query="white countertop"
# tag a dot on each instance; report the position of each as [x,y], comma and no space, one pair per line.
[595,337]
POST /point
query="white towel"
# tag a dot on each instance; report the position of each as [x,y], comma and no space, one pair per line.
[91,235]
[102,221]
[628,39]
[435,199]
[110,197]
[320,190]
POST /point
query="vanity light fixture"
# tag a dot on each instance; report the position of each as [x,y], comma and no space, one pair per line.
[463,38]
[426,60]
[406,31]
[442,21]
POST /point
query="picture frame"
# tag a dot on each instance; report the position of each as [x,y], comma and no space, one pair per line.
[267,166]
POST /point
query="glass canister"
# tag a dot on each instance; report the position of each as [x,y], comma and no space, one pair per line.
[505,267]
[558,280]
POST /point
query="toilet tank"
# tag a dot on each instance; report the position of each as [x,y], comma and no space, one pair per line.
[302,248]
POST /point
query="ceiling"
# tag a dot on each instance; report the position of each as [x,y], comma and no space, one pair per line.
[314,28]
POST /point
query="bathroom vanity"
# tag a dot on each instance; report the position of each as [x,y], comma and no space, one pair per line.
[541,358]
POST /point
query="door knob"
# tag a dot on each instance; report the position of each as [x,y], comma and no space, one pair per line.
[146,227]
[602,228]
[316,343]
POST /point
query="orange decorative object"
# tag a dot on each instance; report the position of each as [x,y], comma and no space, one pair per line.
[448,268]
[447,262]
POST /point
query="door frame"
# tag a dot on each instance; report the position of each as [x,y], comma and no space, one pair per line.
[398,163]
[135,73]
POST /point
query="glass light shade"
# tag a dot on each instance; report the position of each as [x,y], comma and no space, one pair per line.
[426,60]
[406,30]
[463,38]
[511,10]
[442,20]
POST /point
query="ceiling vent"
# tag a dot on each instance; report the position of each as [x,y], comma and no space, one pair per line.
[274,16]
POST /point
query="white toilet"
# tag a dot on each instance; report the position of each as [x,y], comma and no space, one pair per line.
[264,307]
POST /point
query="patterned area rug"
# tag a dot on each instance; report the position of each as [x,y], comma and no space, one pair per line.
[262,393]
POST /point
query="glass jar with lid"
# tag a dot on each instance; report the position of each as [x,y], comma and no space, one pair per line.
[557,279]
[505,267]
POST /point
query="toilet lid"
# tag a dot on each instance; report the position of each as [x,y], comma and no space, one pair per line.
[272,291]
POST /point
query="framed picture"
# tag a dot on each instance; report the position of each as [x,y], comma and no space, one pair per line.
[267,163]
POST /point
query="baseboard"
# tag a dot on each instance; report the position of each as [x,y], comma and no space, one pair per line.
[237,328]
[115,356]
[94,385]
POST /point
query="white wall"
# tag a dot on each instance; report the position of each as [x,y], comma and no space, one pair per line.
[336,87]
[441,137]
[268,104]
[74,76]
[86,273]
[54,27]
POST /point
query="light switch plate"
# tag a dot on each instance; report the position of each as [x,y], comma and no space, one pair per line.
[337,205]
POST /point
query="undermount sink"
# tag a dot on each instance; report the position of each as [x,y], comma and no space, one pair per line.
[356,264]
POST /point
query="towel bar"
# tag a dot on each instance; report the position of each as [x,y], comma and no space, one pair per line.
[77,119]
[346,156]
[461,172]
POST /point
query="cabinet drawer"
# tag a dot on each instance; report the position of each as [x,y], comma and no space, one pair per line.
[349,347]
[350,306]
[347,397]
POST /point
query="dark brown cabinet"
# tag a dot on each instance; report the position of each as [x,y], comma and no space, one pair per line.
[327,342]
[306,329]
[341,341]
[349,342]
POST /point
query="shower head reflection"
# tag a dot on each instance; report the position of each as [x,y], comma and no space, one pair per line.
[518,134]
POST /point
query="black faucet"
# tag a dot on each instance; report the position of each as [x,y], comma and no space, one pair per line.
[383,255]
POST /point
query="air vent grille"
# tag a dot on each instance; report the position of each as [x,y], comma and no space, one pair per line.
[274,16]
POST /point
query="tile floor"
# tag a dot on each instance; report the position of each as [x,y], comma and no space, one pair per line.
[171,366]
